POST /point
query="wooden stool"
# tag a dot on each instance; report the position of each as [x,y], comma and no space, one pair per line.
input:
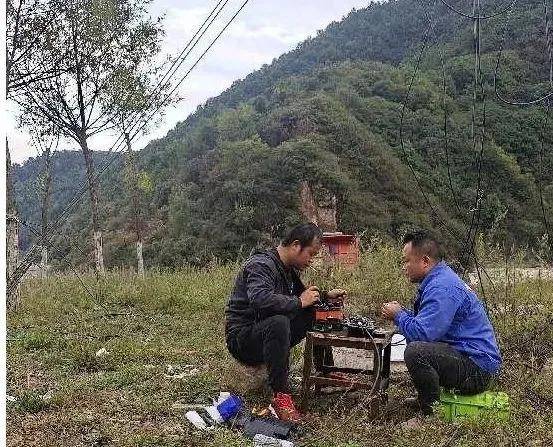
[318,352]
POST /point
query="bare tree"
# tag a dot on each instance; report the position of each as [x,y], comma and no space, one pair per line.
[131,93]
[46,142]
[96,38]
[27,22]
[12,234]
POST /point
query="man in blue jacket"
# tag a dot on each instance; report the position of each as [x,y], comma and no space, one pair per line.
[450,340]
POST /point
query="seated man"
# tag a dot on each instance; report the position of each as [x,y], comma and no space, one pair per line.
[270,310]
[450,340]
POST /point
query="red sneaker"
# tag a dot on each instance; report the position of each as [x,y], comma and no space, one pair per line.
[284,408]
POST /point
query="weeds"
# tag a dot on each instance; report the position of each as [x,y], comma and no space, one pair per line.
[126,397]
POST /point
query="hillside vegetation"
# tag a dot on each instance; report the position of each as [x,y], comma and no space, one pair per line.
[329,114]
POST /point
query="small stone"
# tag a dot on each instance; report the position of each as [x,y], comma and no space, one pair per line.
[101,352]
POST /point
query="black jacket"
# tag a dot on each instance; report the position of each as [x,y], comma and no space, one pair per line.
[264,287]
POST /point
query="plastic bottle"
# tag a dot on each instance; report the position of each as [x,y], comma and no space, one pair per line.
[214,414]
[229,407]
[196,420]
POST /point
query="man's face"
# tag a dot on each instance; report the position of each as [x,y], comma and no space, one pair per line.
[415,266]
[303,256]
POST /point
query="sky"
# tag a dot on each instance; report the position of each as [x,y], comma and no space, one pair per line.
[264,30]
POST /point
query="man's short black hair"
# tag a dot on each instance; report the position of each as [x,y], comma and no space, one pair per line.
[425,244]
[304,233]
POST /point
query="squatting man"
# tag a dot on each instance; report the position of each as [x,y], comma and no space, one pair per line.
[450,340]
[270,310]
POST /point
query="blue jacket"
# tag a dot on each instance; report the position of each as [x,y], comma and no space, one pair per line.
[447,310]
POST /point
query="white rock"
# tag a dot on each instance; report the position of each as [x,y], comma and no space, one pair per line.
[101,352]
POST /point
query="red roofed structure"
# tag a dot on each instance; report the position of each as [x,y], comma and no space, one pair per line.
[343,248]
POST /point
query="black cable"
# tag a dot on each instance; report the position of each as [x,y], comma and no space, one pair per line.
[440,221]
[543,98]
[477,16]
[540,179]
[402,119]
[478,89]
[478,131]
[67,263]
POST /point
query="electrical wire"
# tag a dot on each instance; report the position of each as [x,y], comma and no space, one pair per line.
[478,16]
[542,98]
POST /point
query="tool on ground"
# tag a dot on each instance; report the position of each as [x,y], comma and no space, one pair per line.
[271,427]
[197,421]
[229,409]
[264,411]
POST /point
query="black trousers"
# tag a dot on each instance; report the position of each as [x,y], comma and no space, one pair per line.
[268,342]
[432,365]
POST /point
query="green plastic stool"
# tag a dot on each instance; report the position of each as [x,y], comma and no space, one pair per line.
[455,406]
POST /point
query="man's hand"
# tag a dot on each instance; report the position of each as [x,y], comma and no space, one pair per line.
[337,293]
[309,296]
[390,310]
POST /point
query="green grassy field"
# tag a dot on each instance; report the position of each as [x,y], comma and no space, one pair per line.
[127,397]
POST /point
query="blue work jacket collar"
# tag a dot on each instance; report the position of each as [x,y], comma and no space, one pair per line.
[431,274]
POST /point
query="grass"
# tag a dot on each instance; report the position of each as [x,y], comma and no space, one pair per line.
[127,398]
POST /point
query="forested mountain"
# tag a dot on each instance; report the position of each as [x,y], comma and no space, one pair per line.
[328,115]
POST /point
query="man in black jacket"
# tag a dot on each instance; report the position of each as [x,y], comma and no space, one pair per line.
[270,310]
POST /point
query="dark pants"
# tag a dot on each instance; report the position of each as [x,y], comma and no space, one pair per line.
[268,342]
[432,365]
